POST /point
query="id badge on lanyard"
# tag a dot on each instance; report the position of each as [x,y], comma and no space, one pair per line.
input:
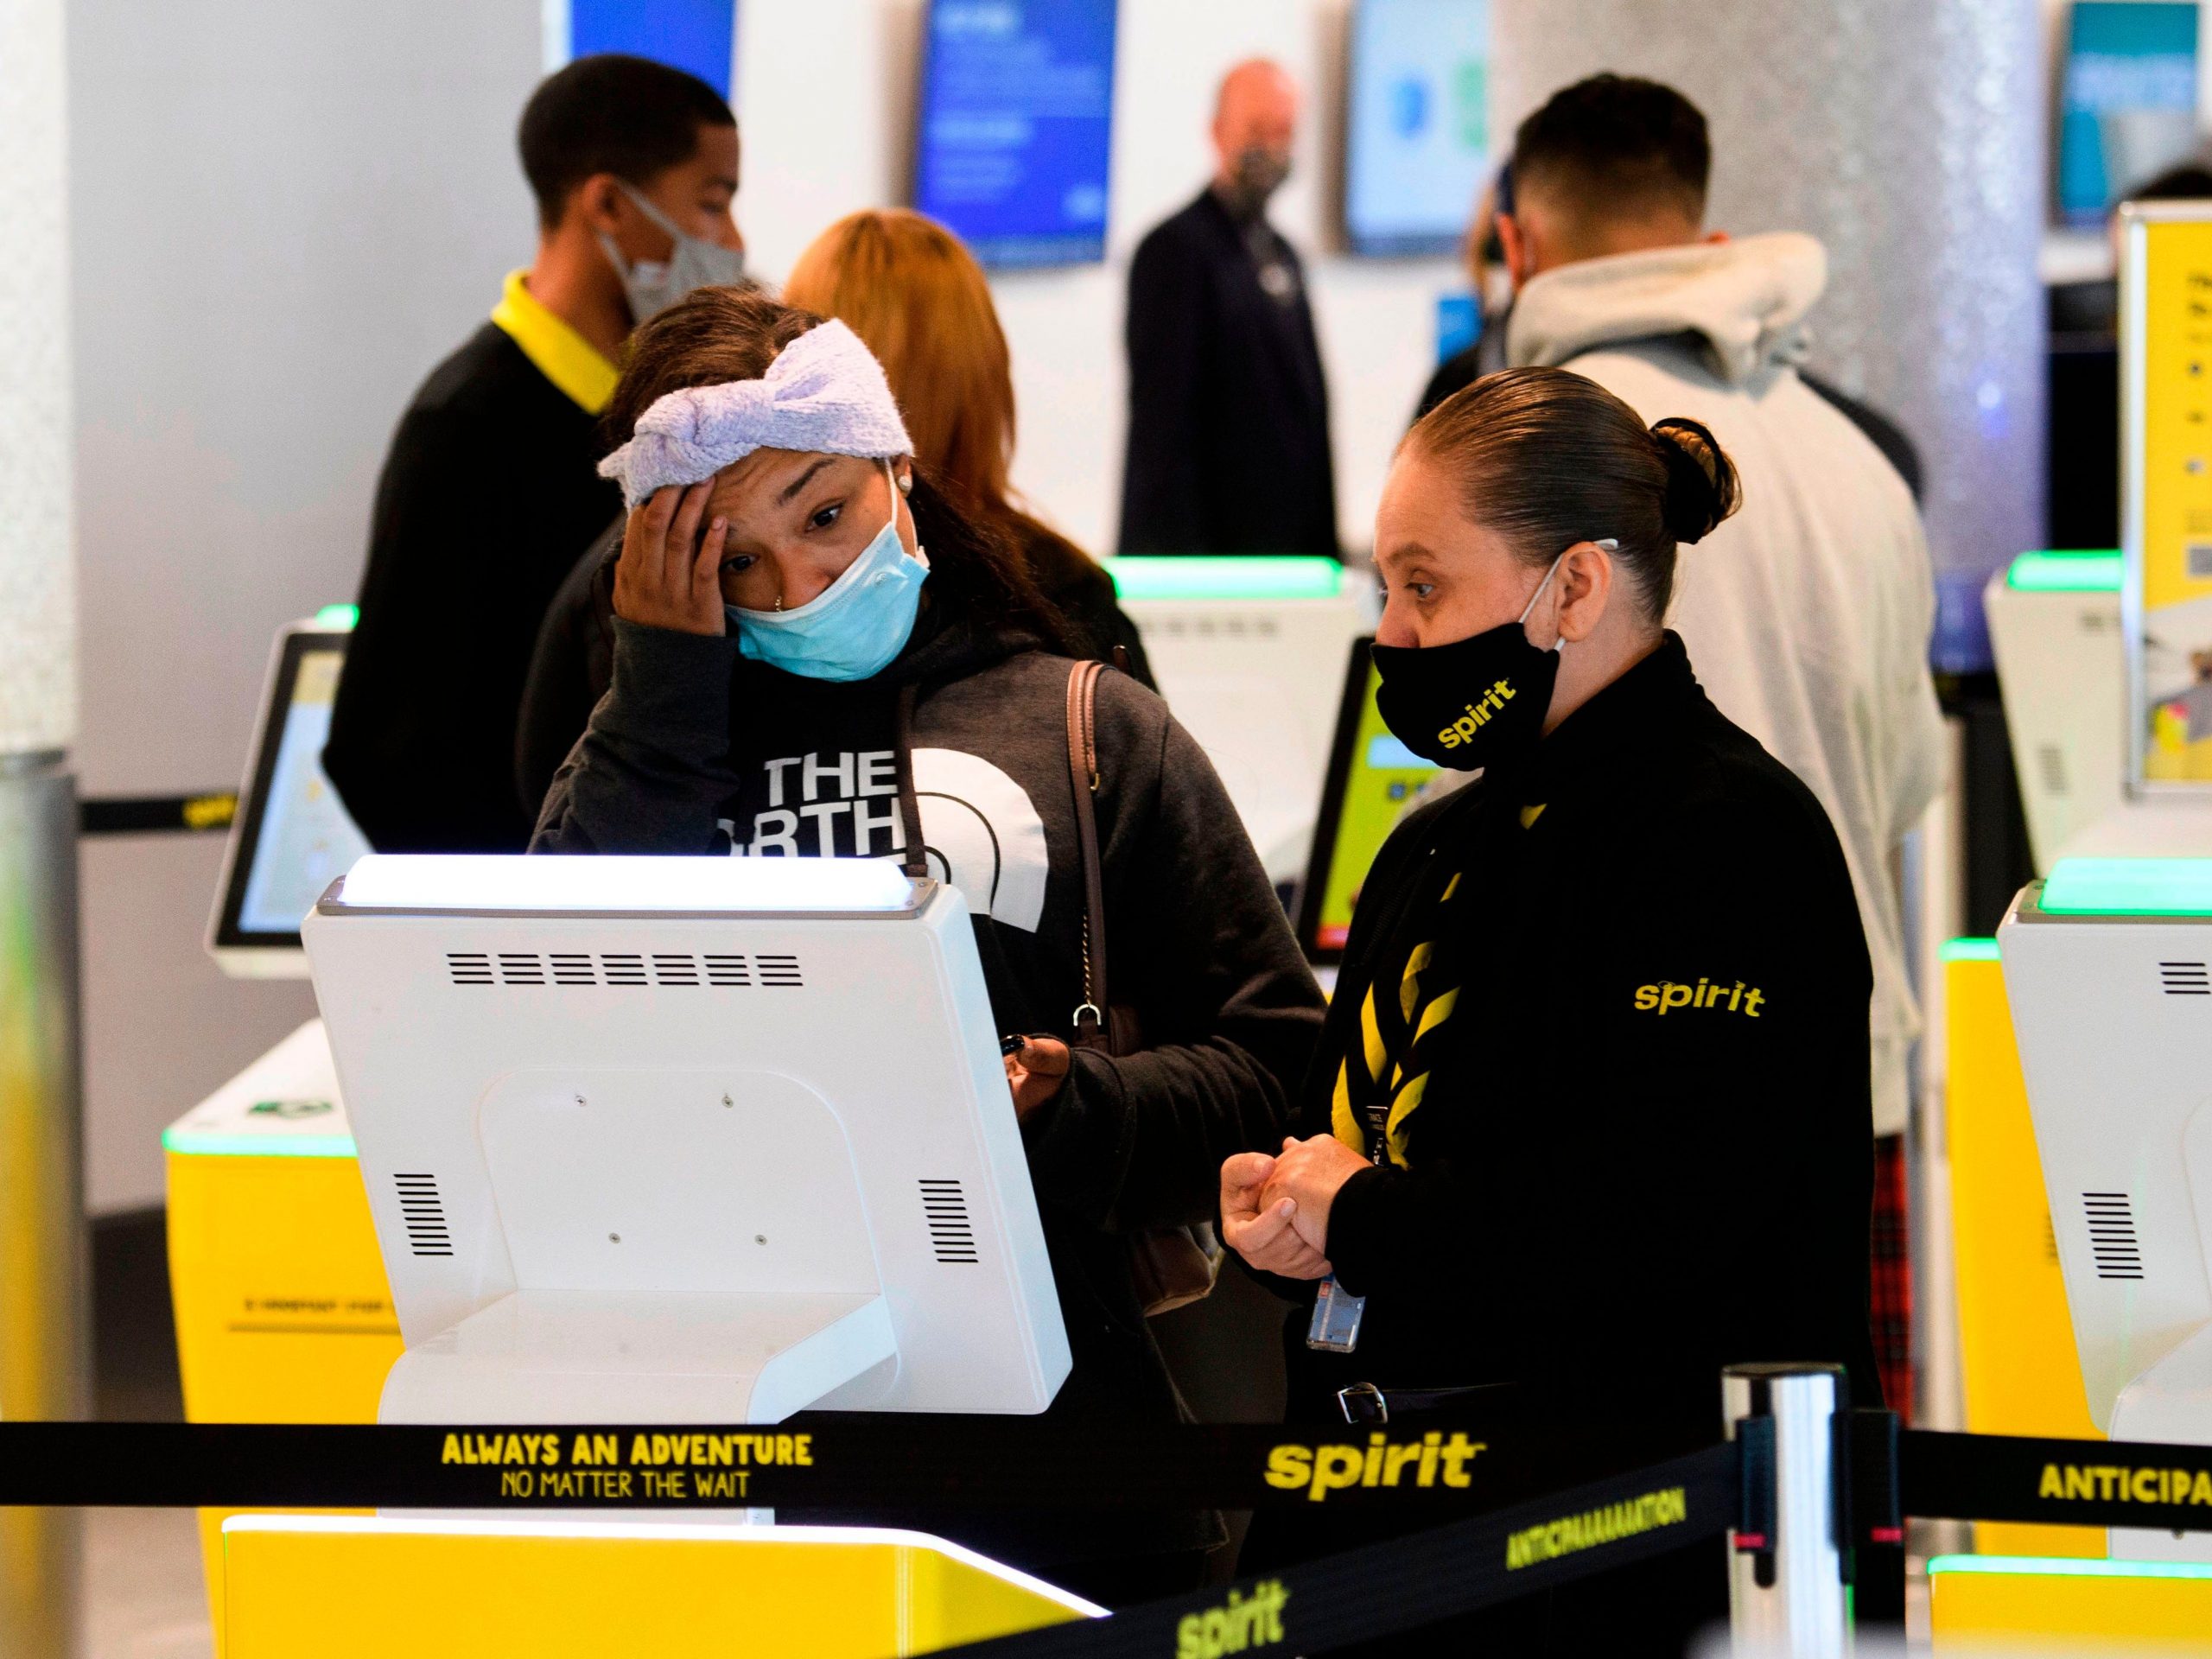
[1334,1328]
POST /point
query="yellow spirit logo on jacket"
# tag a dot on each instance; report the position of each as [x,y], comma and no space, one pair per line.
[1479,714]
[1667,995]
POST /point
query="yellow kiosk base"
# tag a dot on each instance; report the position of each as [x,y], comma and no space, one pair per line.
[2015,1604]
[342,1588]
[2016,1338]
[283,1314]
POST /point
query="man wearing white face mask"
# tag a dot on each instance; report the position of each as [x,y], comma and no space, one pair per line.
[489,491]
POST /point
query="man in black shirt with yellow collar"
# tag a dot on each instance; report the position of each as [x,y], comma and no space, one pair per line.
[490,491]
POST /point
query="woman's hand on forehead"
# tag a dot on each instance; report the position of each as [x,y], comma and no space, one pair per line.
[670,574]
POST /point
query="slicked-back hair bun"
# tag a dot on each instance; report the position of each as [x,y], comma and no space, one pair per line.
[1547,458]
[1702,485]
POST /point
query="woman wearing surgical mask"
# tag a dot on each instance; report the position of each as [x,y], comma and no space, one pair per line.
[919,303]
[1589,1118]
[814,648]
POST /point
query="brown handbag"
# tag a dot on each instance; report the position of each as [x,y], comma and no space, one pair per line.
[1171,1267]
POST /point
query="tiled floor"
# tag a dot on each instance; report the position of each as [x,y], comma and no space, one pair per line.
[143,1594]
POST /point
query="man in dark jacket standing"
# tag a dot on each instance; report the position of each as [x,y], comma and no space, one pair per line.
[1229,412]
[491,491]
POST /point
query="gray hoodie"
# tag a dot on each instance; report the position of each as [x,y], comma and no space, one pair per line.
[1808,614]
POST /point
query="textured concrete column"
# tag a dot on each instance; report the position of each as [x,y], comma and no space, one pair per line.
[43,1344]
[1908,136]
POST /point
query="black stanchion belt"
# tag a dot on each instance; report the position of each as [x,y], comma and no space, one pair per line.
[831,1462]
[132,815]
[1405,1584]
[1377,1590]
[2065,1483]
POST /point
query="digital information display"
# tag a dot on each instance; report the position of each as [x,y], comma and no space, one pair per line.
[1017,125]
[1418,130]
[2127,101]
[698,36]
[294,836]
[1373,780]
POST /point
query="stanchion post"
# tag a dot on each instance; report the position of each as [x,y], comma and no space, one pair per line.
[41,1201]
[1788,1590]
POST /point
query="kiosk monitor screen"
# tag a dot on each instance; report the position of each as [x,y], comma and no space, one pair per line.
[1016,124]
[292,837]
[1417,131]
[1373,779]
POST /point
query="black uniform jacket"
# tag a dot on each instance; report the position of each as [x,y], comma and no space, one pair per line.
[487,496]
[1626,1172]
[1229,413]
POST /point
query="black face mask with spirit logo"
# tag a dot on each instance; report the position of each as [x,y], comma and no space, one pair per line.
[1472,703]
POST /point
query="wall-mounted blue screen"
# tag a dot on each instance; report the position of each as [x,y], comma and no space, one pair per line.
[693,35]
[1417,133]
[2127,104]
[1017,121]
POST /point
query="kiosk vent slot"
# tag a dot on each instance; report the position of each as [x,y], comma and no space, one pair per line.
[946,1208]
[2050,760]
[620,969]
[2112,1234]
[424,1215]
[2185,979]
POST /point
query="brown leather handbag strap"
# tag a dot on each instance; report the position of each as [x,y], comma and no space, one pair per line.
[1082,775]
[916,861]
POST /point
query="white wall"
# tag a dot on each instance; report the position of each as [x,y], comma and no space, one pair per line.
[283,214]
[1376,319]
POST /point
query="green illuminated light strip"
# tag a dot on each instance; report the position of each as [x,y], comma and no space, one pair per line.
[2128,886]
[1224,576]
[2067,1566]
[2066,570]
[258,1145]
[340,618]
[1967,950]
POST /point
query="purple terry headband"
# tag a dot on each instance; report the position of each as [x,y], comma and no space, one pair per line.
[824,394]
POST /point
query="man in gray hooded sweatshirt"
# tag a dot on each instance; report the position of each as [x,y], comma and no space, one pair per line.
[1808,614]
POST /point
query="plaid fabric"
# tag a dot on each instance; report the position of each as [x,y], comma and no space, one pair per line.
[1890,1277]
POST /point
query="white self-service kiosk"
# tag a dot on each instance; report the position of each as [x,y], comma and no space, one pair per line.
[684,1139]
[1249,653]
[2055,630]
[291,834]
[2108,968]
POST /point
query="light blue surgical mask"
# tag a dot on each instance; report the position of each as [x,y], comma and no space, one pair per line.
[854,628]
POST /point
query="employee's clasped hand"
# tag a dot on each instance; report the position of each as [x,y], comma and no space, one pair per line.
[1274,1210]
[1036,1071]
[670,576]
